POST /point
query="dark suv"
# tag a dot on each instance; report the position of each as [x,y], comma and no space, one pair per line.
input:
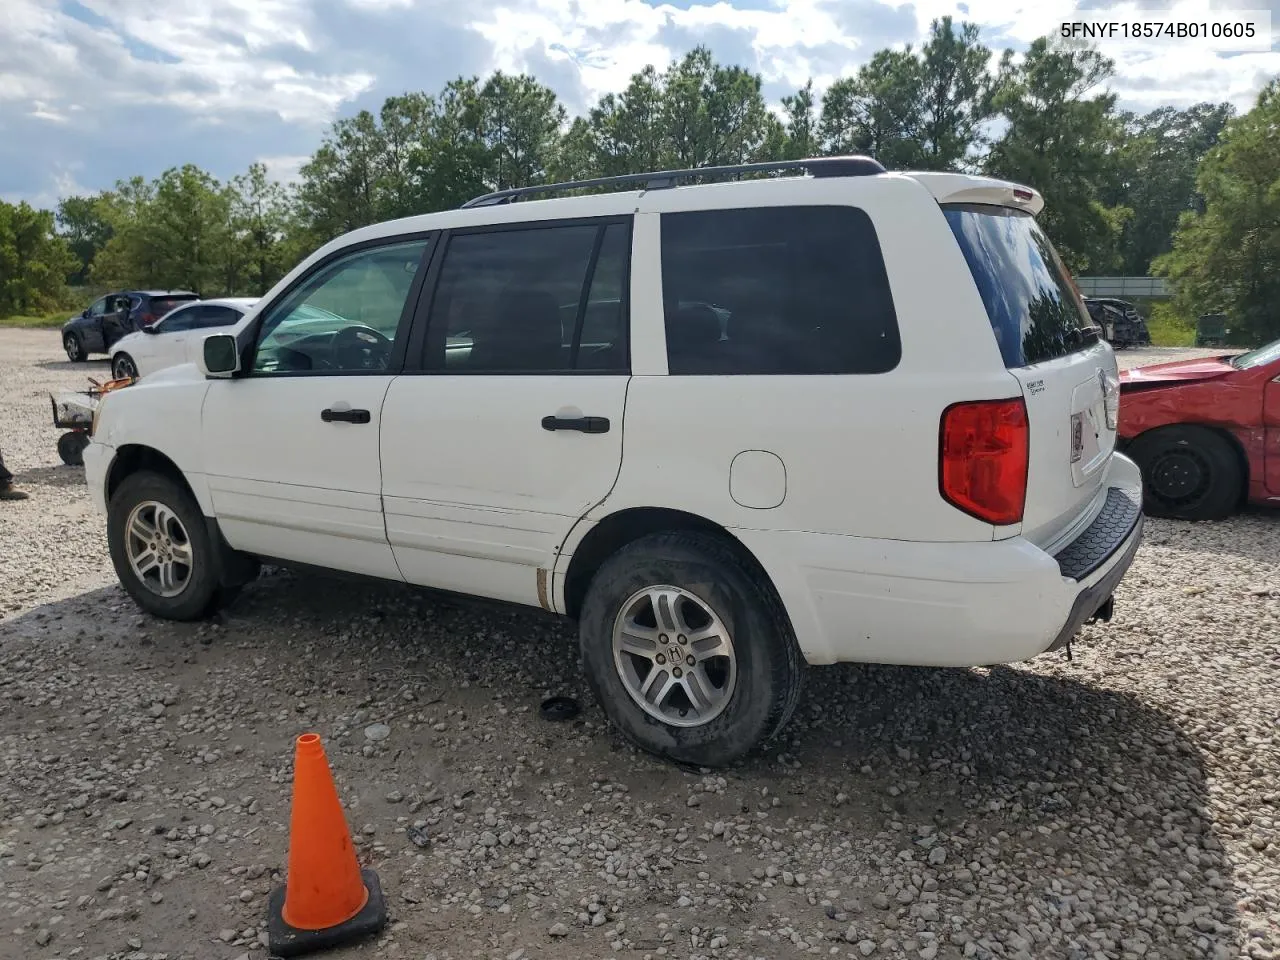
[117,315]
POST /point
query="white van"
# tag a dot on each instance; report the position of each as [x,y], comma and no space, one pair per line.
[728,427]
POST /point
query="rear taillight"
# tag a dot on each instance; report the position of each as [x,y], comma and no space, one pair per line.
[983,453]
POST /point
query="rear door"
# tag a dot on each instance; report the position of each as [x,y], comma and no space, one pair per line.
[511,430]
[1068,376]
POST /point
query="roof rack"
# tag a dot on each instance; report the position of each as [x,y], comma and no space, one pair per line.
[849,166]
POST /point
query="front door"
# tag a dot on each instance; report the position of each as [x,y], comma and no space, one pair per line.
[94,342]
[291,446]
[115,322]
[511,430]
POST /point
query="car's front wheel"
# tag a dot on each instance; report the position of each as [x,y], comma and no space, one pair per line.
[688,649]
[161,548]
[122,366]
[1188,473]
[74,347]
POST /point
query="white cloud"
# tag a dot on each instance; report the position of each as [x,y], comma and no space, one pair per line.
[284,168]
[204,57]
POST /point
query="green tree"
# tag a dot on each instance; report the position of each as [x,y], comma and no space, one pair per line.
[34,260]
[801,124]
[174,233]
[878,111]
[1226,259]
[955,94]
[520,123]
[1157,161]
[338,189]
[83,221]
[259,221]
[1060,139]
[714,115]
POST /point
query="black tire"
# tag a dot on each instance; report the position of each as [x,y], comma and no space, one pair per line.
[71,447]
[1188,473]
[202,593]
[122,366]
[74,347]
[769,665]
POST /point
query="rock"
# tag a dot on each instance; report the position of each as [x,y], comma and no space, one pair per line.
[156,710]
[938,856]
[376,732]
[866,947]
[43,936]
[558,930]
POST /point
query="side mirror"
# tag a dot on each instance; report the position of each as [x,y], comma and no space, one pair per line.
[84,312]
[220,356]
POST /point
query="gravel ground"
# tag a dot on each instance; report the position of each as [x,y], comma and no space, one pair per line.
[1122,804]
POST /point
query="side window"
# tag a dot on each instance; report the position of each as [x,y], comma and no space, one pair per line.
[180,320]
[344,318]
[602,343]
[538,299]
[99,307]
[784,290]
[216,317]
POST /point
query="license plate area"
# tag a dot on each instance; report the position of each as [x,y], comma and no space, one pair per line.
[1077,437]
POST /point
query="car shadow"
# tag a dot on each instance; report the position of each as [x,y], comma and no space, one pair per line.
[91,367]
[59,476]
[1087,800]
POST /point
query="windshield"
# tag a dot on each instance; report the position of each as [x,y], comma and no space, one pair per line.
[1034,309]
[1257,358]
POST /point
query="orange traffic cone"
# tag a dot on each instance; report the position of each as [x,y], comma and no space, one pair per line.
[327,899]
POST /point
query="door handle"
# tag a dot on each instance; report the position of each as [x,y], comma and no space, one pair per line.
[581,424]
[345,416]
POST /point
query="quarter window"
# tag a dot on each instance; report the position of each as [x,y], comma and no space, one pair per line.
[539,299]
[785,290]
[345,318]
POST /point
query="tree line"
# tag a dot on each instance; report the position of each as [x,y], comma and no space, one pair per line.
[1188,193]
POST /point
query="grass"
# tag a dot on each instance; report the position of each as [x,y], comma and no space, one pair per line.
[1170,329]
[39,321]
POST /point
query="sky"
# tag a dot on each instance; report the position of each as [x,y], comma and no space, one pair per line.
[92,91]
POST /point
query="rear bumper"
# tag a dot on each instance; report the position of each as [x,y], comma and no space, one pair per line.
[950,604]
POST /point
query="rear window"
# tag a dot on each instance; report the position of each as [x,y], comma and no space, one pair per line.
[783,290]
[1033,306]
[159,306]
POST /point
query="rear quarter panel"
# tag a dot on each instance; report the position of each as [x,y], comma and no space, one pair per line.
[860,452]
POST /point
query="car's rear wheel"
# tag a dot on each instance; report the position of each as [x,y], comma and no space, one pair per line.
[161,548]
[688,649]
[1188,473]
[122,366]
[71,447]
[74,347]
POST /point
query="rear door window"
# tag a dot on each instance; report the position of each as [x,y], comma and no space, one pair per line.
[181,320]
[1034,309]
[782,290]
[215,316]
[162,305]
[535,299]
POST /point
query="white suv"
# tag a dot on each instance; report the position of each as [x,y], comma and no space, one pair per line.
[728,427]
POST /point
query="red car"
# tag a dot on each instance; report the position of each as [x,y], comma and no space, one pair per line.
[1205,432]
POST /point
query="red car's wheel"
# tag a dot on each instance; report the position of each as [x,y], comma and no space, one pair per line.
[1188,473]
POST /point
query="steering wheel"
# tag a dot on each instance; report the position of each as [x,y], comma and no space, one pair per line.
[359,348]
